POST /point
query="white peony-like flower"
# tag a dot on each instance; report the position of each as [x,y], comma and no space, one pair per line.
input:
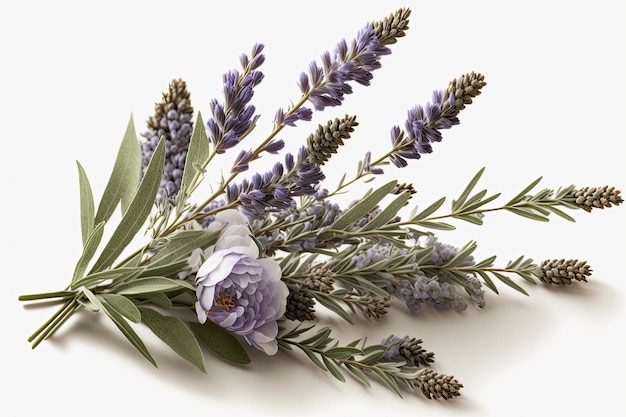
[238,290]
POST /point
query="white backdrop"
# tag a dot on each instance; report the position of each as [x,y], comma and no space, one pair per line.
[553,107]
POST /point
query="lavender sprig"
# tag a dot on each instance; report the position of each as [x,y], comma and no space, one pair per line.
[362,361]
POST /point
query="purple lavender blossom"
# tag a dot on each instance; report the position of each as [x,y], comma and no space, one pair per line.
[239,291]
[274,190]
[235,118]
[172,120]
[422,127]
[326,85]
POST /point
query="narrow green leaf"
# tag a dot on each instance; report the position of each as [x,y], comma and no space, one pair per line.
[485,263]
[321,335]
[388,380]
[360,209]
[87,207]
[163,270]
[462,255]
[508,281]
[123,181]
[529,214]
[488,281]
[358,373]
[89,250]
[121,324]
[342,352]
[315,359]
[137,212]
[123,306]
[475,205]
[332,305]
[333,369]
[115,275]
[436,225]
[156,298]
[197,155]
[428,210]
[181,244]
[153,284]
[220,341]
[174,333]
[458,203]
[470,218]
[388,213]
[561,213]
[522,193]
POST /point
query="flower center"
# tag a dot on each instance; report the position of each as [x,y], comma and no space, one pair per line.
[226,301]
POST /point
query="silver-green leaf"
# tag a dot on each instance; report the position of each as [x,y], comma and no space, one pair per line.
[87,207]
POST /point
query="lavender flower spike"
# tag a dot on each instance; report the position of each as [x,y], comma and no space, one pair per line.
[232,120]
[424,123]
[171,119]
[326,84]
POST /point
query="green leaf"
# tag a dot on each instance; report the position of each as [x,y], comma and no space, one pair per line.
[333,368]
[388,213]
[123,181]
[508,281]
[220,341]
[528,213]
[153,284]
[522,193]
[197,155]
[121,324]
[164,270]
[89,250]
[331,304]
[342,352]
[458,203]
[87,207]
[137,212]
[175,333]
[117,274]
[156,298]
[388,380]
[360,209]
[470,218]
[428,210]
[181,244]
[358,373]
[123,306]
[488,281]
[315,359]
[436,225]
[561,213]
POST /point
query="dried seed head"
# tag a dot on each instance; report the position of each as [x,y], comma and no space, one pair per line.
[464,88]
[327,139]
[320,279]
[177,98]
[411,350]
[434,385]
[589,198]
[375,307]
[300,305]
[400,188]
[562,272]
[392,27]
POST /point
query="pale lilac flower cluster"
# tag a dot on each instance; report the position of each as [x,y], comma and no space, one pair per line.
[422,127]
[238,290]
[415,292]
[442,252]
[235,118]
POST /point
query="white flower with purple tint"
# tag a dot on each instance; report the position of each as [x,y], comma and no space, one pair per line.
[238,290]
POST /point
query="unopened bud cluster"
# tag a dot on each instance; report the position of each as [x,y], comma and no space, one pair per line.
[588,198]
[562,272]
[434,385]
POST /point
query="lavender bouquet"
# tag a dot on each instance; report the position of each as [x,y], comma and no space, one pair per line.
[261,261]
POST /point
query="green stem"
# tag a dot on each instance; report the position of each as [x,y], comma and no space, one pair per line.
[44,329]
[47,295]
